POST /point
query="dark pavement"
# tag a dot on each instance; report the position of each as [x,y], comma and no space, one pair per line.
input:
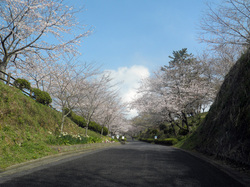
[133,164]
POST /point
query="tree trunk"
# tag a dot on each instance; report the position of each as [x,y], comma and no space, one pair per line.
[172,125]
[108,129]
[87,126]
[63,119]
[102,130]
[184,120]
[2,68]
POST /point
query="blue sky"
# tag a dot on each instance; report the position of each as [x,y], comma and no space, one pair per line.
[142,32]
[135,37]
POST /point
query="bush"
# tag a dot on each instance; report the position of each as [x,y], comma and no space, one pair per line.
[95,127]
[21,84]
[67,111]
[80,121]
[94,140]
[114,139]
[183,132]
[169,131]
[154,131]
[167,141]
[105,131]
[98,128]
[124,140]
[41,96]
[148,140]
[162,127]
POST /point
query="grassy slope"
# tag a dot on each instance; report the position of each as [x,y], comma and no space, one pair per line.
[26,127]
[190,141]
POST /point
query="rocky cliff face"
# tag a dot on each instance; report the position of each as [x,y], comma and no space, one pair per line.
[226,130]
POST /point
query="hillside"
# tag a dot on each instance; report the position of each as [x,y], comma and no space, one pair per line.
[28,129]
[225,132]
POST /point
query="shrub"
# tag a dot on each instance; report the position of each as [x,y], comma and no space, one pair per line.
[41,96]
[98,128]
[183,132]
[80,121]
[67,111]
[95,127]
[21,84]
[149,140]
[167,141]
[114,139]
[105,131]
[154,131]
[169,131]
[124,139]
[162,127]
[94,140]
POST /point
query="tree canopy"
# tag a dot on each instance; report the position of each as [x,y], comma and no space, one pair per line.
[35,30]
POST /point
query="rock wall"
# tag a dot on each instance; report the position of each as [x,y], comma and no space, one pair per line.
[225,131]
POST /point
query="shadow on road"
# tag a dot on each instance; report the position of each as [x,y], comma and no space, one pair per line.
[133,164]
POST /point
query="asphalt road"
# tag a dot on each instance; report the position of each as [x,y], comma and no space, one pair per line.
[133,164]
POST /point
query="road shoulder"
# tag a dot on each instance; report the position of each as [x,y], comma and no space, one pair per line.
[242,177]
[64,153]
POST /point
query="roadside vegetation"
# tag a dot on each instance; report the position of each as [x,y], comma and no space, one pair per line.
[29,128]
[165,134]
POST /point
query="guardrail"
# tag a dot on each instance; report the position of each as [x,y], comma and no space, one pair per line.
[10,81]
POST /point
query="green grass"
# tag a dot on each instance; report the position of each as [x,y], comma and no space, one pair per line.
[189,142]
[27,128]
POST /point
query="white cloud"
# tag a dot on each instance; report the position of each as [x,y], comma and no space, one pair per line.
[130,78]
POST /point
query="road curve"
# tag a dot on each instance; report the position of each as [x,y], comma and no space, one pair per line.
[133,164]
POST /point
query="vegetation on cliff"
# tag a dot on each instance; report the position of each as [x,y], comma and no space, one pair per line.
[225,132]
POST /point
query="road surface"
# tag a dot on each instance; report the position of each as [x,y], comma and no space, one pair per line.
[133,164]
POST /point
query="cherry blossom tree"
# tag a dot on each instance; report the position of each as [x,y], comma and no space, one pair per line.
[37,29]
[218,63]
[66,82]
[176,91]
[109,110]
[93,97]
[227,24]
[225,27]
[120,125]
[37,73]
